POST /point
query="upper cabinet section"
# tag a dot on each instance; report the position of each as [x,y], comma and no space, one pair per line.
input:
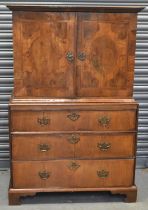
[70,52]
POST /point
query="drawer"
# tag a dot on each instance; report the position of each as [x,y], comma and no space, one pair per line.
[41,147]
[73,173]
[70,145]
[105,146]
[73,121]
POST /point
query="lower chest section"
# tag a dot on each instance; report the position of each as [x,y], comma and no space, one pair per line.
[63,147]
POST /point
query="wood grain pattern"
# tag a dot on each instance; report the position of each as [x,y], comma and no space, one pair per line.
[60,121]
[107,40]
[26,147]
[108,68]
[84,176]
[121,145]
[41,45]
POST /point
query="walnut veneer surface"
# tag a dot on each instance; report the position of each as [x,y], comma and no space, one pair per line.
[73,121]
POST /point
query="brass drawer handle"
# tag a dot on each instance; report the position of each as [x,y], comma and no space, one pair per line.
[81,56]
[44,147]
[73,116]
[43,121]
[103,146]
[73,165]
[70,56]
[104,121]
[44,174]
[103,174]
[74,138]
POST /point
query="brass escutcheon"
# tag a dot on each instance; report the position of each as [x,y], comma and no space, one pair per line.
[103,174]
[74,138]
[73,165]
[73,116]
[44,174]
[43,121]
[103,146]
[81,56]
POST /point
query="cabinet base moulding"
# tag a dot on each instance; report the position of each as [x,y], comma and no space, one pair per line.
[16,194]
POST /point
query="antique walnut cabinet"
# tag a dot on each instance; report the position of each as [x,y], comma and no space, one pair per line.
[73,119]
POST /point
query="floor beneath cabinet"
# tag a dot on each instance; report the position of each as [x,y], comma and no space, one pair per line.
[78,201]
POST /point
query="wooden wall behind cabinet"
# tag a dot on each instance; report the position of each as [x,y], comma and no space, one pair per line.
[74,54]
[73,121]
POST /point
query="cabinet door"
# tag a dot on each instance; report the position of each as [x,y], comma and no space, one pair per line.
[106,47]
[41,43]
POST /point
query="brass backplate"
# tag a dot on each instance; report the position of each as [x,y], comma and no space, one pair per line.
[104,121]
[44,174]
[73,116]
[44,147]
[103,146]
[103,174]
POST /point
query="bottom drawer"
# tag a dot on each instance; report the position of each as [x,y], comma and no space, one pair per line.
[73,173]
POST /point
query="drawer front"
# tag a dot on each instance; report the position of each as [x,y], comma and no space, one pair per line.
[79,145]
[41,147]
[73,121]
[105,146]
[73,173]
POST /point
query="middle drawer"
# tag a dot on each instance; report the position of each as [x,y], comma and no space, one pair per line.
[72,145]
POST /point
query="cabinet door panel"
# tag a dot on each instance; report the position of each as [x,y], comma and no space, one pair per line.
[42,41]
[106,47]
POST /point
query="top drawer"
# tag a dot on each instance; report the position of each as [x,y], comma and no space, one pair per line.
[73,120]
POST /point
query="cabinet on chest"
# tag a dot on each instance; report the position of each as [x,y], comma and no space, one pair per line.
[73,121]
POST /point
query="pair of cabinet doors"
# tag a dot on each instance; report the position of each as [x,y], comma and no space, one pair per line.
[74,54]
